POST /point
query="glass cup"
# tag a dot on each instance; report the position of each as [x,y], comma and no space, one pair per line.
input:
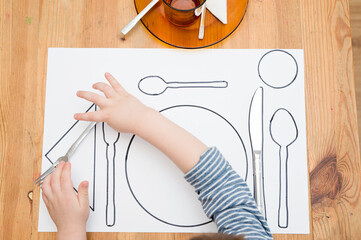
[182,12]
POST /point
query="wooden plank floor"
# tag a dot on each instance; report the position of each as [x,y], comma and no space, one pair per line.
[355,15]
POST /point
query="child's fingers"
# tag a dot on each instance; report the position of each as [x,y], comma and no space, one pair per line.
[55,179]
[105,88]
[114,83]
[46,187]
[96,116]
[92,97]
[83,195]
[45,199]
[66,184]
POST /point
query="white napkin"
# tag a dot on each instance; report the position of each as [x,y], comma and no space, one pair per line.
[218,8]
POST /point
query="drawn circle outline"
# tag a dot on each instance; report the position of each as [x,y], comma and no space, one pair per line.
[283,86]
[126,165]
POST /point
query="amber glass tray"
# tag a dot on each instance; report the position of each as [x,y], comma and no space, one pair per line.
[187,37]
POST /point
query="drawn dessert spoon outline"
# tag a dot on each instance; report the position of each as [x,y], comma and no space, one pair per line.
[156,85]
[110,138]
[284,132]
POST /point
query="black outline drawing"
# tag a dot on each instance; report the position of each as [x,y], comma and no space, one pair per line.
[177,85]
[249,131]
[94,158]
[265,82]
[283,208]
[126,165]
[110,199]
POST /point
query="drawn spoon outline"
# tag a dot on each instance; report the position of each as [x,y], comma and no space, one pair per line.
[284,132]
[155,85]
[110,138]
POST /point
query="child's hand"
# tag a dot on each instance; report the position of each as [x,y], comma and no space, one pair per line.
[125,113]
[118,109]
[68,210]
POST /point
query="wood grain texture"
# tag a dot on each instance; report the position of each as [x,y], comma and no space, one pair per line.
[322,28]
[355,14]
[331,120]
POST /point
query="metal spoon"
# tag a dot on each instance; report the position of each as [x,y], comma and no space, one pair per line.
[284,132]
[201,26]
[155,85]
[132,23]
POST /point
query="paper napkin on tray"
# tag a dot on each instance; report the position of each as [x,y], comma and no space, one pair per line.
[218,8]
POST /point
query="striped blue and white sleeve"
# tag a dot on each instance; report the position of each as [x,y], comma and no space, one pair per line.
[226,198]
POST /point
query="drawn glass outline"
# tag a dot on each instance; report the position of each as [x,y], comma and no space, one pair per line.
[283,86]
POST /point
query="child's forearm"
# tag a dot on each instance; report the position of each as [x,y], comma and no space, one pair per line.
[72,235]
[179,145]
[226,198]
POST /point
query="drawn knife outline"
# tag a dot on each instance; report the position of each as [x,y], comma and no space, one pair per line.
[256,137]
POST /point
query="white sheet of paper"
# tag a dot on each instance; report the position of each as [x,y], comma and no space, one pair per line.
[219,9]
[151,194]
